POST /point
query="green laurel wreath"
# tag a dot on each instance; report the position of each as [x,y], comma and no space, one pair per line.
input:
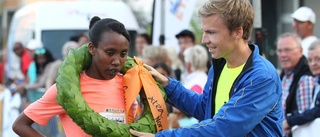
[71,99]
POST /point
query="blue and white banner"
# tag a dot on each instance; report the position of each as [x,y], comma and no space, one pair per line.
[177,16]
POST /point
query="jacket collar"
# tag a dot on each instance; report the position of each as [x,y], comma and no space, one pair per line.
[255,52]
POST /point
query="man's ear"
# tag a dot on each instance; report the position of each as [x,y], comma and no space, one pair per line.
[91,48]
[300,49]
[238,33]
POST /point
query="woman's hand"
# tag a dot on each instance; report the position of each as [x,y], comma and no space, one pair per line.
[19,89]
[163,81]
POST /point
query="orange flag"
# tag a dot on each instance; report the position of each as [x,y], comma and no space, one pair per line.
[136,78]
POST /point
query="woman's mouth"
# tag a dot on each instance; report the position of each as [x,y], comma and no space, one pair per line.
[113,71]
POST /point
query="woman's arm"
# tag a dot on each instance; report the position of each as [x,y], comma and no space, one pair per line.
[22,126]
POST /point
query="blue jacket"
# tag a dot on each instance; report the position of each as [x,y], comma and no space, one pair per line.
[254,107]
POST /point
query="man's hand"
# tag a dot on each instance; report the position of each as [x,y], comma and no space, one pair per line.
[141,134]
[286,128]
[164,81]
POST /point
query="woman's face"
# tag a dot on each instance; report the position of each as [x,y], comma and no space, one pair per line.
[109,56]
[314,61]
[41,59]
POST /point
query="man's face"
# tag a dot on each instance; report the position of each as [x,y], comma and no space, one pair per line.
[216,35]
[140,44]
[302,28]
[18,49]
[289,53]
[185,42]
[314,61]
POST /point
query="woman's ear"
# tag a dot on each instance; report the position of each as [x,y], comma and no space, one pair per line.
[188,67]
[91,48]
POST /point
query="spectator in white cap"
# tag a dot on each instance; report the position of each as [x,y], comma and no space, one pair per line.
[303,25]
[33,45]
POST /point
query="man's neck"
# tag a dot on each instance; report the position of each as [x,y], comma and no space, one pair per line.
[307,35]
[239,56]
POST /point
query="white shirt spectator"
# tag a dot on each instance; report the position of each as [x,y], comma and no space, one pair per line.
[306,42]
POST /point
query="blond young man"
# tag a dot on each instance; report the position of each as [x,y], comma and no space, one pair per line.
[245,103]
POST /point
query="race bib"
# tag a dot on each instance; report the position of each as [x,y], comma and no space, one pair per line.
[117,115]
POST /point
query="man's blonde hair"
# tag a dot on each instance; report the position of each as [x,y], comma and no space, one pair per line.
[235,13]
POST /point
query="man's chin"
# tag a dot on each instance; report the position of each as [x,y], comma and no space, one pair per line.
[215,56]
